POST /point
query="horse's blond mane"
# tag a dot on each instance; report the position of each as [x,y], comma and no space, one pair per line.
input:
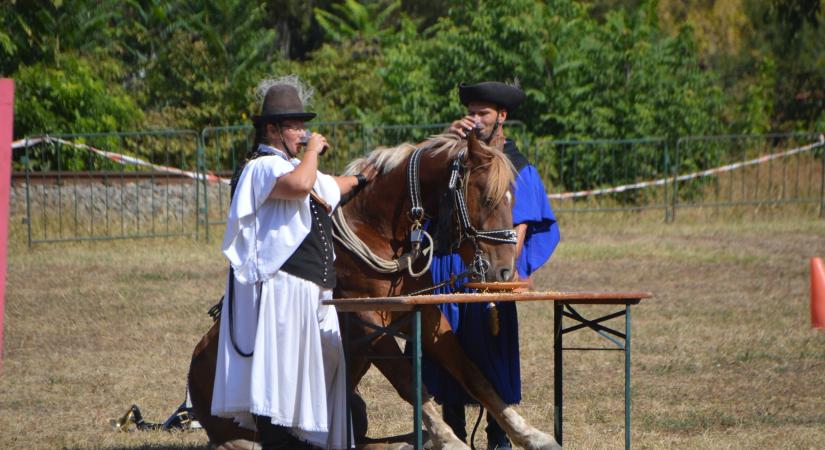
[386,159]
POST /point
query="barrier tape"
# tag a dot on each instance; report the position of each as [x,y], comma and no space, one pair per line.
[690,176]
[120,158]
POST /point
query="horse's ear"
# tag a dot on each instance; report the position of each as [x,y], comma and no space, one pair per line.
[475,152]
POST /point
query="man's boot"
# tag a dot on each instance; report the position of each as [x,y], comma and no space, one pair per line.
[496,437]
[454,417]
[277,437]
[273,437]
[360,422]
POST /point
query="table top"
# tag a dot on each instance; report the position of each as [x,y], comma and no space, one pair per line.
[409,302]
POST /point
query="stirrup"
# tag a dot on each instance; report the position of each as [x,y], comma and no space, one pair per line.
[125,422]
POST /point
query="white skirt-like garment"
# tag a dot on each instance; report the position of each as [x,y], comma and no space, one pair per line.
[297,374]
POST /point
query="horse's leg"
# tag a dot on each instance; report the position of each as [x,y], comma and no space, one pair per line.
[398,370]
[443,346]
[224,433]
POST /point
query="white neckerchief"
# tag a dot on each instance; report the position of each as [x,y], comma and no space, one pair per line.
[270,150]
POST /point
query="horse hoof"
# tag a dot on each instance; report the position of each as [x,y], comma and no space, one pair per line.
[237,444]
[543,442]
[382,446]
[458,445]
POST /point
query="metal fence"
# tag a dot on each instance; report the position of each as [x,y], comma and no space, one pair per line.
[129,185]
[749,170]
[698,172]
[595,176]
[105,186]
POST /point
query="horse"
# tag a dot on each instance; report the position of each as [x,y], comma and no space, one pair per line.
[462,188]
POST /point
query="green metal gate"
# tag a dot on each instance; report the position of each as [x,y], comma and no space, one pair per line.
[175,182]
[102,186]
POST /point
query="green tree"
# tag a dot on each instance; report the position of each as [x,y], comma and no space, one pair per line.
[38,31]
[791,33]
[63,58]
[616,76]
[583,78]
[353,21]
[204,70]
[347,85]
[768,55]
[69,98]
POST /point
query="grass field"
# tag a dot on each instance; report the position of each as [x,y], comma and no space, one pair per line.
[723,355]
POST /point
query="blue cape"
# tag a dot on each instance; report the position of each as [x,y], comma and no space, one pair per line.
[533,208]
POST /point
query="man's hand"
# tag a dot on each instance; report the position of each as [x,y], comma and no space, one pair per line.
[350,185]
[369,171]
[462,126]
[317,143]
[521,234]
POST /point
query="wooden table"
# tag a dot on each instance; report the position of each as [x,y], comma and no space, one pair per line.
[563,306]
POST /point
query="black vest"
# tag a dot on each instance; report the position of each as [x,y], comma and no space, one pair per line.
[312,261]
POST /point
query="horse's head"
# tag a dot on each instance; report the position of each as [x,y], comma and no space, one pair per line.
[474,203]
[484,227]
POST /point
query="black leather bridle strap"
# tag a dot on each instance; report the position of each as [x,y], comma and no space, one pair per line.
[503,236]
[414,185]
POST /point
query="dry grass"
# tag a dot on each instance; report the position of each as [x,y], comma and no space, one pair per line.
[723,356]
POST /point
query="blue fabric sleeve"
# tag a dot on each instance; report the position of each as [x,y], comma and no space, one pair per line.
[533,208]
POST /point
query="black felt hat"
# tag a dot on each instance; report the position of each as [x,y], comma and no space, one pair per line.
[497,93]
[282,102]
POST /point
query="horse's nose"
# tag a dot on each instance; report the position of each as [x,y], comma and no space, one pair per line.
[505,273]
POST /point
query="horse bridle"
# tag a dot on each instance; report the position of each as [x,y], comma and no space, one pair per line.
[466,230]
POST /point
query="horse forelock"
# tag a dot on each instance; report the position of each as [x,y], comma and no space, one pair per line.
[500,172]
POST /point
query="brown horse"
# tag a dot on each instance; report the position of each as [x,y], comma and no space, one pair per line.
[383,216]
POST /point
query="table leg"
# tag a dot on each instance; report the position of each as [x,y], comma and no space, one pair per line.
[627,391]
[416,354]
[348,380]
[558,309]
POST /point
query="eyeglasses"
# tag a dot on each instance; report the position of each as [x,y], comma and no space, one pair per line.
[300,128]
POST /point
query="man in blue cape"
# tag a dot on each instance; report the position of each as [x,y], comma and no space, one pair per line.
[488,105]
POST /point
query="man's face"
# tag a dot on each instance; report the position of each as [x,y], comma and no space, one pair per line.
[486,114]
[291,131]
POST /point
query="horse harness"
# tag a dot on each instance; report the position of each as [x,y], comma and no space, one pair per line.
[466,230]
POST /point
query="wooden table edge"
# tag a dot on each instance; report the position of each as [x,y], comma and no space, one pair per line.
[408,303]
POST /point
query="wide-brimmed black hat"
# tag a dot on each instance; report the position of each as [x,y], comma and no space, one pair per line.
[282,102]
[494,92]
